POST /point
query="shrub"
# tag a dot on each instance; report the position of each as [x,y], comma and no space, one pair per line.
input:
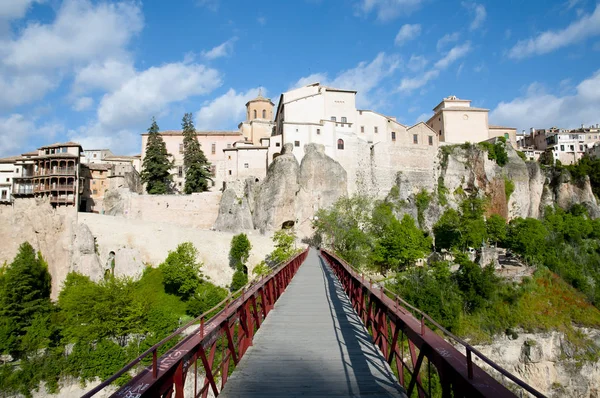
[181,270]
[239,280]
[240,250]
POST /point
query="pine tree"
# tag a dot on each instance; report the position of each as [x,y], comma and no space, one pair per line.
[156,170]
[26,286]
[195,164]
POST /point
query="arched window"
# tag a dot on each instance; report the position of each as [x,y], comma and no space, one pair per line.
[340,144]
[255,113]
[264,113]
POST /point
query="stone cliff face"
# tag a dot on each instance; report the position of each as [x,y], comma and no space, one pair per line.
[291,193]
[548,362]
[48,230]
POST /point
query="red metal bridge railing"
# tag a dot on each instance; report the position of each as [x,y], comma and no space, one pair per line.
[389,323]
[224,338]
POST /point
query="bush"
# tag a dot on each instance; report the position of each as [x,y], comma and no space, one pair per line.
[206,297]
[509,187]
[240,250]
[181,271]
[239,280]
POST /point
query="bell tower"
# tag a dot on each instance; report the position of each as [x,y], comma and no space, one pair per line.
[259,108]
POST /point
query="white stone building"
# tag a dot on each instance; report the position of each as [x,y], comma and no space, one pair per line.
[568,148]
[456,121]
[95,155]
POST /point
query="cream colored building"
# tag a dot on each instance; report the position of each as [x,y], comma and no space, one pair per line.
[212,143]
[457,122]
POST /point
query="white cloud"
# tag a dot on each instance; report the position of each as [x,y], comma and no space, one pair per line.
[540,109]
[15,9]
[261,20]
[417,63]
[585,27]
[83,104]
[17,131]
[108,75]
[477,11]
[423,117]
[448,38]
[410,84]
[407,33]
[95,135]
[151,91]
[387,10]
[222,50]
[456,53]
[81,32]
[363,78]
[224,112]
[41,55]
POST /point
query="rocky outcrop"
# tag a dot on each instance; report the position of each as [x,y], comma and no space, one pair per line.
[549,362]
[85,259]
[290,194]
[47,229]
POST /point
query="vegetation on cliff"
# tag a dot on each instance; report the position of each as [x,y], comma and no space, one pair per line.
[95,327]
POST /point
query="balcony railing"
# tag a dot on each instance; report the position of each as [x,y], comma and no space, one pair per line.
[54,187]
[26,174]
[23,191]
[59,170]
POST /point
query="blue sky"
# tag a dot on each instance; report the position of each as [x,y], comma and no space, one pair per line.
[97,71]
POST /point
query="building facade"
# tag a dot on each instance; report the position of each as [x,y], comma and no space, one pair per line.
[456,121]
[95,155]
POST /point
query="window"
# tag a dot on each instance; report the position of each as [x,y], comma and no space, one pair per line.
[255,113]
[213,148]
[228,145]
[415,139]
[344,119]
[376,130]
[393,136]
[296,143]
[333,119]
[562,147]
[318,131]
[229,172]
[340,144]
[264,114]
[95,155]
[430,140]
[64,150]
[180,148]
[213,170]
[229,157]
[95,191]
[180,171]
[94,182]
[581,147]
[362,129]
[572,147]
[101,172]
[277,144]
[506,135]
[17,171]
[3,194]
[246,165]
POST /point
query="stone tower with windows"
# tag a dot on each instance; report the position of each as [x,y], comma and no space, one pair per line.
[259,119]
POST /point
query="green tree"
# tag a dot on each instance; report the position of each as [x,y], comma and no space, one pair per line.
[239,251]
[399,243]
[195,164]
[527,236]
[447,231]
[239,279]
[156,169]
[26,286]
[476,284]
[206,297]
[496,228]
[284,240]
[181,271]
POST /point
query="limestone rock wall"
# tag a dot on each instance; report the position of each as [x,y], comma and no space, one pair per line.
[546,361]
[46,229]
[291,192]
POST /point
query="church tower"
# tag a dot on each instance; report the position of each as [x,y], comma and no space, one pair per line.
[259,119]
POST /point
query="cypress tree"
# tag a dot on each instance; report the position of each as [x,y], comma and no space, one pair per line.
[156,170]
[195,164]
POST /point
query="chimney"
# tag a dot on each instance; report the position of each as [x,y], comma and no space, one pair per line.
[532,130]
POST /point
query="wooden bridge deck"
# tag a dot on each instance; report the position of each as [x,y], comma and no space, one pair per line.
[313,345]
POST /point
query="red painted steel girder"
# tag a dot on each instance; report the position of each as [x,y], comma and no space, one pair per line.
[168,373]
[466,378]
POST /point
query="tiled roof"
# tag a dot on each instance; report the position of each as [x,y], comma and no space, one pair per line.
[98,166]
[59,144]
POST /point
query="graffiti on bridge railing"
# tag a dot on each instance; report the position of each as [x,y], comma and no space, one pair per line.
[223,338]
[393,327]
